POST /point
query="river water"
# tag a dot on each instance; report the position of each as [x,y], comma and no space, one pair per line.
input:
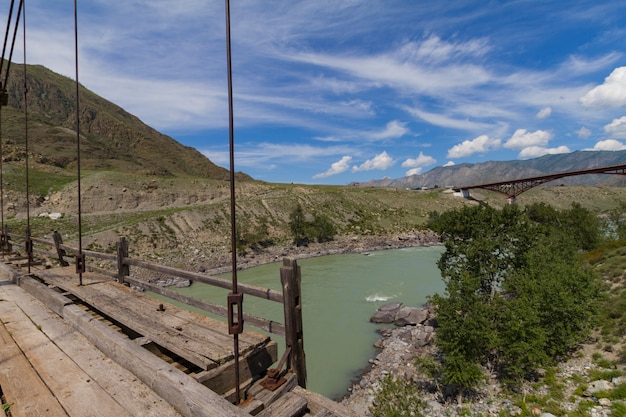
[339,294]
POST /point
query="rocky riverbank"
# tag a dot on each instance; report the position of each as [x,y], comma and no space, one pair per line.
[580,386]
[221,263]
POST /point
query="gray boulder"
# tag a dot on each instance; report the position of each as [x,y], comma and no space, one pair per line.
[411,316]
[386,313]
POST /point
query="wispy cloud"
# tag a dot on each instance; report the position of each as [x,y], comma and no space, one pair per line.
[318,82]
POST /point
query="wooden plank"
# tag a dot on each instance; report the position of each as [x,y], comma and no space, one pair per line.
[267,397]
[289,405]
[70,384]
[199,339]
[318,403]
[177,388]
[133,395]
[251,365]
[181,391]
[21,386]
[52,299]
[325,413]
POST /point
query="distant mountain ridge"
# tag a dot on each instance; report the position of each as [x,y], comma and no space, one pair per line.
[111,138]
[495,171]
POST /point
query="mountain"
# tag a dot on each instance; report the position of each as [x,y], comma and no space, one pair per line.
[111,138]
[495,171]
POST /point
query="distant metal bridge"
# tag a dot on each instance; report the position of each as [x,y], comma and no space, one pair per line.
[513,188]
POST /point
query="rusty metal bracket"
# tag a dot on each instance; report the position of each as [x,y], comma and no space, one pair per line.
[80,263]
[235,300]
[274,376]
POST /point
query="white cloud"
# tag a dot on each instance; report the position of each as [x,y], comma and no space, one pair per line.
[413,171]
[394,129]
[544,113]
[537,151]
[583,133]
[421,161]
[523,139]
[381,162]
[481,144]
[434,50]
[336,168]
[449,164]
[447,121]
[617,128]
[608,145]
[612,93]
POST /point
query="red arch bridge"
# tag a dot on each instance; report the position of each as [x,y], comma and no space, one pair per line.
[513,188]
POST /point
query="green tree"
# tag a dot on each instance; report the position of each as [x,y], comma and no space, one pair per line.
[323,229]
[517,293]
[298,226]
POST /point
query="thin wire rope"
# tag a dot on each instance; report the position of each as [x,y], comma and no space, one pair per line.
[233,226]
[17,20]
[6,36]
[3,91]
[80,231]
[28,237]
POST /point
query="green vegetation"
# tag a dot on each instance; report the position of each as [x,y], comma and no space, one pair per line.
[397,398]
[321,229]
[518,294]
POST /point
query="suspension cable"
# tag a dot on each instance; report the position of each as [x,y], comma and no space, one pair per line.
[6,35]
[4,100]
[17,20]
[29,242]
[80,257]
[235,298]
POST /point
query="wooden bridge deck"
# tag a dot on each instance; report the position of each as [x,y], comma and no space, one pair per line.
[59,358]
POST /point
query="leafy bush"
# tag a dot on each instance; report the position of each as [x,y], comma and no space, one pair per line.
[518,295]
[397,398]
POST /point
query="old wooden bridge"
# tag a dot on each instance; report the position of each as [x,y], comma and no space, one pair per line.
[102,348]
[80,340]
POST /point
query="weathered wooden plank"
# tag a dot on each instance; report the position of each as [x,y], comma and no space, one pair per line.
[183,392]
[289,405]
[251,365]
[318,403]
[118,382]
[199,339]
[26,393]
[53,300]
[267,397]
[325,413]
[70,384]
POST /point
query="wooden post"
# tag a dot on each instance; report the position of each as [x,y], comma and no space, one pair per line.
[123,270]
[292,302]
[6,240]
[58,241]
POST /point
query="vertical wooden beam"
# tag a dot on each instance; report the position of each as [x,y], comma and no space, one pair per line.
[6,240]
[123,270]
[58,241]
[292,302]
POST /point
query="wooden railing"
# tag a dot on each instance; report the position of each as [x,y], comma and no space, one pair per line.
[290,297]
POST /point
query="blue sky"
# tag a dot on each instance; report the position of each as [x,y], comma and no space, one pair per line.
[333,92]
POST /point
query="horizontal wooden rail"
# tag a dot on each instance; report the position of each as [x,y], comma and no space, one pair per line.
[258,322]
[253,290]
[290,297]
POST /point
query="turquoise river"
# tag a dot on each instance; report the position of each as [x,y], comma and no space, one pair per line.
[340,293]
